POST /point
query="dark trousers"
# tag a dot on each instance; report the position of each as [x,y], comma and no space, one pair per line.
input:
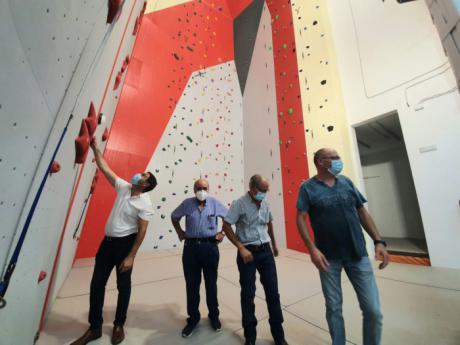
[264,263]
[111,254]
[198,257]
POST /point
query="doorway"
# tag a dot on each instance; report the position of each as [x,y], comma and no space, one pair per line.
[390,188]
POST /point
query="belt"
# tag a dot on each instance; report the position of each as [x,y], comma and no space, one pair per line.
[258,248]
[201,239]
[117,239]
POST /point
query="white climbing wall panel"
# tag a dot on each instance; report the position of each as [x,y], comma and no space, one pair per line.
[56,57]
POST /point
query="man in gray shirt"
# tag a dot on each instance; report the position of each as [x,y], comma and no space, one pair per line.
[254,230]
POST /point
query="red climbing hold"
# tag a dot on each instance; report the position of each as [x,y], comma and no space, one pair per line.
[41,276]
[55,167]
[144,7]
[114,6]
[82,144]
[105,135]
[117,81]
[136,26]
[91,120]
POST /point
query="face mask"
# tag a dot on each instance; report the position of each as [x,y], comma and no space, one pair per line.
[260,196]
[201,195]
[136,179]
[336,167]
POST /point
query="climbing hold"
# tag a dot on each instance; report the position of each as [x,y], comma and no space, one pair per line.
[137,24]
[55,167]
[290,111]
[144,7]
[91,120]
[105,135]
[114,7]
[117,81]
[284,45]
[41,276]
[82,144]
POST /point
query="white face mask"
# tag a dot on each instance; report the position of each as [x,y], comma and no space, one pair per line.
[201,195]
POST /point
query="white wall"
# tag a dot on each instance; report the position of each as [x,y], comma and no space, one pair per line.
[204,138]
[261,140]
[391,194]
[55,58]
[390,58]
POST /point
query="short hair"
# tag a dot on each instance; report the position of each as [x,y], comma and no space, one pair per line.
[318,155]
[152,183]
[254,181]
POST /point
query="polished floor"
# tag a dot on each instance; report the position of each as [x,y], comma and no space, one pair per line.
[421,305]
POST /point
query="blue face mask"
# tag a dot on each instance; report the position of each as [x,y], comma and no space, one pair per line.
[260,196]
[136,179]
[336,167]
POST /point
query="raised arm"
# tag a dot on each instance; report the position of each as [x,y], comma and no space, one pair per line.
[102,164]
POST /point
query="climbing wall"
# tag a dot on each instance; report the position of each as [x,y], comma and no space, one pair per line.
[294,167]
[204,138]
[261,138]
[192,36]
[57,58]
[323,107]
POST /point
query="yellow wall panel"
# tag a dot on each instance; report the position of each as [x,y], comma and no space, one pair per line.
[324,114]
[156,5]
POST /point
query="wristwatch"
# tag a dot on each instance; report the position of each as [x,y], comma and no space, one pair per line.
[380,242]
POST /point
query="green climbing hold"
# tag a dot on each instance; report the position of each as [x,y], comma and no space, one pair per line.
[290,111]
[189,139]
[284,45]
[163,199]
[277,17]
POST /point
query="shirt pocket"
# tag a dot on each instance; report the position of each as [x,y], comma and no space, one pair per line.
[212,221]
[264,216]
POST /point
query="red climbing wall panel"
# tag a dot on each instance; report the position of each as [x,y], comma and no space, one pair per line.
[290,119]
[172,43]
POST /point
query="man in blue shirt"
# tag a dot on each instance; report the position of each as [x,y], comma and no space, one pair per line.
[254,231]
[200,251]
[336,210]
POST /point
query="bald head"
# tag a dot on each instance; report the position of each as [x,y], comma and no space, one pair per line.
[258,182]
[325,153]
[201,184]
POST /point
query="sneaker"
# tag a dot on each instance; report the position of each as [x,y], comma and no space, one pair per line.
[216,325]
[188,330]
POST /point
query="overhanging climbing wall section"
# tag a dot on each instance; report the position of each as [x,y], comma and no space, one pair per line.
[261,134]
[294,167]
[173,43]
[204,138]
[56,59]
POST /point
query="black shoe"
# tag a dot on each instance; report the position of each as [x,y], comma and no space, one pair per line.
[215,324]
[250,342]
[188,330]
[282,342]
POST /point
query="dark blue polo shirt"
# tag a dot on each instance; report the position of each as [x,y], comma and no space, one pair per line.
[334,217]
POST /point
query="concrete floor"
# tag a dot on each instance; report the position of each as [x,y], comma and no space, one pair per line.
[421,305]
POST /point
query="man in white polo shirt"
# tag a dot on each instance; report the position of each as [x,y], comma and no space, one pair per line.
[124,233]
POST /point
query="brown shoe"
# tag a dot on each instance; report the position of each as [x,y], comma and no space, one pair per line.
[118,335]
[90,335]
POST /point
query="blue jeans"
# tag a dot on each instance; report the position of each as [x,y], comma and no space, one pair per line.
[362,278]
[197,258]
